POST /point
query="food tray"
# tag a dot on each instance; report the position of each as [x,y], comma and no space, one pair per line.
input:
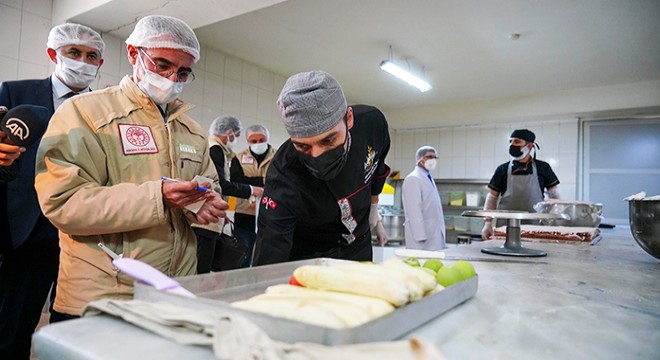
[215,291]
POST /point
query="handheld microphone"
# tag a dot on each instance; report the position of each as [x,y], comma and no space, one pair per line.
[24,124]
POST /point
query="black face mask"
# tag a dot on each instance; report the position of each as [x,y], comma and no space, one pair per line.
[327,165]
[515,151]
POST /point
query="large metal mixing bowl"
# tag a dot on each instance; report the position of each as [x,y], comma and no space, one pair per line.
[580,213]
[393,224]
[645,224]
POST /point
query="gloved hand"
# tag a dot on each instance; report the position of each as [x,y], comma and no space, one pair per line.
[381,236]
[374,216]
[486,232]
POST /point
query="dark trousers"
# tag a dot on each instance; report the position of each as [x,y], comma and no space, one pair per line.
[244,230]
[206,249]
[26,275]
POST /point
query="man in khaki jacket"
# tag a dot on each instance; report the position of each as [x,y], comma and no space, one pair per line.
[101,161]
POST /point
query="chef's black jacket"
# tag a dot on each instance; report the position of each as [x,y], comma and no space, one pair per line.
[300,216]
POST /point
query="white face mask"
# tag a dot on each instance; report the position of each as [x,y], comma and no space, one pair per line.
[231,143]
[259,148]
[74,73]
[430,164]
[160,89]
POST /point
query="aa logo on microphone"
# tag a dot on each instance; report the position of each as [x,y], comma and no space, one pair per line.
[18,128]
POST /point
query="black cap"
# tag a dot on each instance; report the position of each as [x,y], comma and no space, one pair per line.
[524,134]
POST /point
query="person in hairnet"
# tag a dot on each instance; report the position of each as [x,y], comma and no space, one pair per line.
[223,132]
[28,241]
[250,166]
[425,222]
[520,183]
[321,193]
[100,167]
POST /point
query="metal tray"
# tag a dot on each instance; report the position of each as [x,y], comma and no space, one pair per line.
[215,291]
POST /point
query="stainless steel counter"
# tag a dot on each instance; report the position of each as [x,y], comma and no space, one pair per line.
[579,302]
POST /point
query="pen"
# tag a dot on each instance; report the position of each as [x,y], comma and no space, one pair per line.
[200,188]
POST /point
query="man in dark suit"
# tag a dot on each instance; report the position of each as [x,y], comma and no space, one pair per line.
[29,249]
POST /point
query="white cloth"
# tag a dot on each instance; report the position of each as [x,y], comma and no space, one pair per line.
[235,337]
[425,221]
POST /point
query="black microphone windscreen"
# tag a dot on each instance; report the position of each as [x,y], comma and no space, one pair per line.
[25,124]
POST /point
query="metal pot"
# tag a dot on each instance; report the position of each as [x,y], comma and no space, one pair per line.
[580,213]
[393,225]
[644,218]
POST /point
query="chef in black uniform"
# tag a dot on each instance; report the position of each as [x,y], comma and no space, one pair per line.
[520,183]
[321,193]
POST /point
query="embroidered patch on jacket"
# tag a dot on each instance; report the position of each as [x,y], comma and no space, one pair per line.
[247,159]
[137,139]
[347,219]
[187,149]
[268,203]
[370,164]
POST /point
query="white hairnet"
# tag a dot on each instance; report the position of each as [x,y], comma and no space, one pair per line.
[221,124]
[257,129]
[74,34]
[421,152]
[159,31]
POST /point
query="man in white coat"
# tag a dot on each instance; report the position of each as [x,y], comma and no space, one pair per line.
[425,221]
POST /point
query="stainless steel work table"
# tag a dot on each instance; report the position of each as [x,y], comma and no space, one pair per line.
[579,302]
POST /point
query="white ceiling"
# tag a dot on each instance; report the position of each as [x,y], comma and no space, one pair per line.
[464,46]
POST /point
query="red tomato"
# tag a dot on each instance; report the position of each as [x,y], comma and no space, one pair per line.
[293,281]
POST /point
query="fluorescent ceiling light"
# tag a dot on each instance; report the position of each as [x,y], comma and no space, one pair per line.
[404,75]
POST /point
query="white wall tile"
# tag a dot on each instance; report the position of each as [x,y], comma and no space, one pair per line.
[459,141]
[487,141]
[233,68]
[215,61]
[472,141]
[419,138]
[458,167]
[106,80]
[8,68]
[249,101]
[278,84]
[471,167]
[409,147]
[445,143]
[34,27]
[568,137]
[16,4]
[231,97]
[250,74]
[266,109]
[487,166]
[125,67]
[266,80]
[194,92]
[567,168]
[397,139]
[43,8]
[10,36]
[444,168]
[112,56]
[28,70]
[550,137]
[213,91]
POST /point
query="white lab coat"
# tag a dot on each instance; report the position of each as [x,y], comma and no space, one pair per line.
[425,221]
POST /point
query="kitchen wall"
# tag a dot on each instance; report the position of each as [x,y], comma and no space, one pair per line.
[223,84]
[471,137]
[473,152]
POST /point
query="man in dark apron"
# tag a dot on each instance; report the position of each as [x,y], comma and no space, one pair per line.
[520,181]
[321,192]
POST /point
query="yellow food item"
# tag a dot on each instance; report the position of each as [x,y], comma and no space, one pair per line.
[427,280]
[360,279]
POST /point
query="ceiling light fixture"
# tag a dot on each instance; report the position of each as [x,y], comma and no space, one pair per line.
[404,74]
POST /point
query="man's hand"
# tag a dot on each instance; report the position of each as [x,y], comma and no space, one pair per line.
[212,211]
[8,153]
[257,191]
[486,231]
[183,193]
[381,236]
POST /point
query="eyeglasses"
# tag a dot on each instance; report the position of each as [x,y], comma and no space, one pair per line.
[166,70]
